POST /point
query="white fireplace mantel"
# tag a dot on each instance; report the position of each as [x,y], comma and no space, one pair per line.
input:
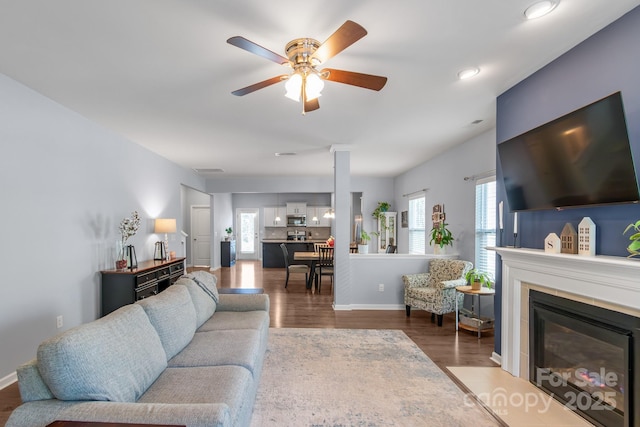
[612,280]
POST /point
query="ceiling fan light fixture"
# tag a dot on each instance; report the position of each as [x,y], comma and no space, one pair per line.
[313,86]
[467,73]
[293,87]
[540,8]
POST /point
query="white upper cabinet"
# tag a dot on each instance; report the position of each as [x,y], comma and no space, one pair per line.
[296,208]
[272,214]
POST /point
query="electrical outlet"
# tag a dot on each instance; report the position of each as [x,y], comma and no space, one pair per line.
[381,287]
[59,322]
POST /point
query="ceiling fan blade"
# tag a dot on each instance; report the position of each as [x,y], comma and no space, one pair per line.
[345,36]
[311,105]
[259,85]
[252,47]
[367,81]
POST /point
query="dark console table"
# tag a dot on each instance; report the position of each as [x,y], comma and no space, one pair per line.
[126,286]
[228,253]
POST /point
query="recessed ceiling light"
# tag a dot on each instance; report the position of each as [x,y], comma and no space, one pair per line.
[468,73]
[540,8]
[286,154]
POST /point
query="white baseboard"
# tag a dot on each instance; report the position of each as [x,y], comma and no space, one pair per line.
[496,358]
[8,380]
[349,307]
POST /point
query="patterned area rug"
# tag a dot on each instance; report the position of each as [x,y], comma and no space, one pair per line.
[357,377]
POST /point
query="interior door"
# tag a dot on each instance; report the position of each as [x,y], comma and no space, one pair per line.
[248,238]
[201,232]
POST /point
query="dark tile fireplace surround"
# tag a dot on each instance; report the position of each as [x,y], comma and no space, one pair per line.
[586,357]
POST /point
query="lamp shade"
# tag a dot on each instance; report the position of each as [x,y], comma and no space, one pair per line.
[165,225]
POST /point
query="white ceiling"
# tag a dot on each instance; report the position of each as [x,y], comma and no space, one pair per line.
[160,73]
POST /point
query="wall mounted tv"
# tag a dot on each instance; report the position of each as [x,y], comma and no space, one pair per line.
[582,158]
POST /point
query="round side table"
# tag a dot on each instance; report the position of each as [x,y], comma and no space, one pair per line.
[475,294]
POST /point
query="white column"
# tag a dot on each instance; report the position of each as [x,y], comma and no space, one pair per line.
[342,224]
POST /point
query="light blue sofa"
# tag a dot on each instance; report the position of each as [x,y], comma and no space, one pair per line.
[186,356]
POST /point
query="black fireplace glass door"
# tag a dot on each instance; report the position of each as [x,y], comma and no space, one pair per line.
[583,363]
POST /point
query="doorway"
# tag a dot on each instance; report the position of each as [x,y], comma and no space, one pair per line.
[248,241]
[201,232]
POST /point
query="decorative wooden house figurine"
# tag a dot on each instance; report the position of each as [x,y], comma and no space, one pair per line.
[586,237]
[552,244]
[569,239]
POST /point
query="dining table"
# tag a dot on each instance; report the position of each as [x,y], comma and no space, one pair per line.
[312,258]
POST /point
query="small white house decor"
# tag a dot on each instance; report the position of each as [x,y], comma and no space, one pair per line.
[586,237]
[552,244]
[569,239]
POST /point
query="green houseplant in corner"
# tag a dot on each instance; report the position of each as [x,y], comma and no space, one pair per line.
[441,236]
[477,279]
[634,246]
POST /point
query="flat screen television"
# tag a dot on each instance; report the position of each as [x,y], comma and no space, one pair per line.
[582,158]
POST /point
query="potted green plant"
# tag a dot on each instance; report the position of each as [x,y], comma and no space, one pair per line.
[441,236]
[378,212]
[634,246]
[477,279]
[363,247]
[228,230]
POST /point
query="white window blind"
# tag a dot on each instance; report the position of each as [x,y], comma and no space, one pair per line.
[417,225]
[485,224]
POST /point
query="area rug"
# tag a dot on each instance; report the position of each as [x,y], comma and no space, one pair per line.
[357,377]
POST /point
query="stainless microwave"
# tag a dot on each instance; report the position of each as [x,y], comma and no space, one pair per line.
[296,220]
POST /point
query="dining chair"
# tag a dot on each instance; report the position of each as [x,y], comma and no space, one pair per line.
[324,266]
[293,268]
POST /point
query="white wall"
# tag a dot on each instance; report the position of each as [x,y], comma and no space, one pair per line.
[443,176]
[66,183]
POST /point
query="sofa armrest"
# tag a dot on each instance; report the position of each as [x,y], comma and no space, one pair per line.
[243,302]
[448,284]
[415,280]
[43,412]
[31,384]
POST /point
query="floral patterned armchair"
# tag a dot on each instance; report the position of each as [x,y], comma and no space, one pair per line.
[435,291]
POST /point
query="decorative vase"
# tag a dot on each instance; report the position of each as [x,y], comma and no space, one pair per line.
[121,262]
[476,286]
[363,249]
[439,250]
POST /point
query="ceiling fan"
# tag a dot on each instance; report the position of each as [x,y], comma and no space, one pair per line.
[304,55]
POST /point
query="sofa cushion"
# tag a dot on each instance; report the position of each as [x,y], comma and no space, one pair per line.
[114,358]
[242,347]
[173,315]
[232,385]
[204,305]
[225,320]
[206,281]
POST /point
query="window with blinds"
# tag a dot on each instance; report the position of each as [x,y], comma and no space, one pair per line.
[485,224]
[417,230]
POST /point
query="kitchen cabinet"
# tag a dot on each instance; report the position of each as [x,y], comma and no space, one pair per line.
[272,256]
[318,212]
[296,208]
[387,231]
[270,215]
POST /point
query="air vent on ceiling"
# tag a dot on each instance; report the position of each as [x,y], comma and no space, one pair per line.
[286,154]
[208,170]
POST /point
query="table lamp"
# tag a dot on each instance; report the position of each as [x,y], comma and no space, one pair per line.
[163,225]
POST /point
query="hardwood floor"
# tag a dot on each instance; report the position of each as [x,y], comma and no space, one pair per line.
[295,307]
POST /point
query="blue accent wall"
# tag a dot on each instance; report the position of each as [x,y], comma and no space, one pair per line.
[605,63]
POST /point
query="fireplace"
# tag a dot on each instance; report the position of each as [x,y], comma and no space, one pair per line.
[587,357]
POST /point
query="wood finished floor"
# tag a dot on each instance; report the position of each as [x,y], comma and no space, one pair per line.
[295,307]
